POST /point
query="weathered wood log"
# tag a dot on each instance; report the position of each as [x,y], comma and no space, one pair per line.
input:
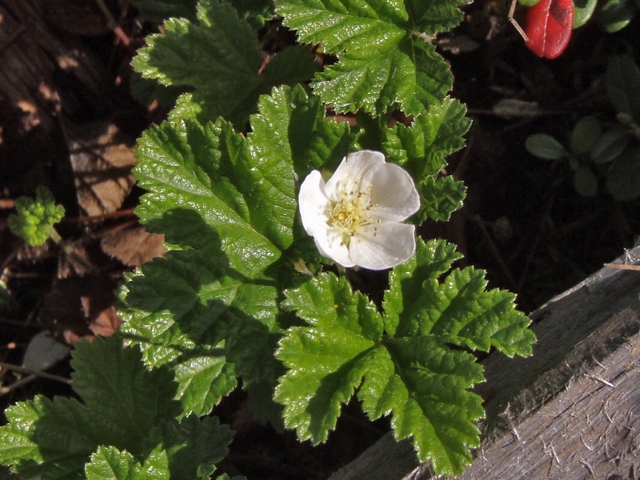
[571,411]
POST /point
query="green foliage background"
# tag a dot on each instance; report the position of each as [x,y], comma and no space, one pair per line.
[243,293]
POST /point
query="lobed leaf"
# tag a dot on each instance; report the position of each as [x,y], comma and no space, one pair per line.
[422,148]
[220,58]
[409,369]
[185,451]
[122,403]
[192,447]
[326,362]
[123,398]
[456,309]
[425,387]
[186,306]
[206,191]
[23,451]
[385,59]
[291,128]
[110,463]
[440,197]
[433,17]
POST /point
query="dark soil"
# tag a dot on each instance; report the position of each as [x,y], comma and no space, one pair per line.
[522,221]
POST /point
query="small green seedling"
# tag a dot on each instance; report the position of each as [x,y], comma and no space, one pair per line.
[35,217]
[34,222]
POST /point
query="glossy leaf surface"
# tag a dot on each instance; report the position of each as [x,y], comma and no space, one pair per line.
[401,362]
[385,58]
[199,54]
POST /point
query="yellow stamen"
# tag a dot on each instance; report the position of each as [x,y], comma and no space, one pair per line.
[351,212]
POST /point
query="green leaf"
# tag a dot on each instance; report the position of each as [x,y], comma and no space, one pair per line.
[185,451]
[110,463]
[385,59]
[186,307]
[440,197]
[431,261]
[584,135]
[614,15]
[193,446]
[433,17]
[583,11]
[232,202]
[326,361]
[424,384]
[206,191]
[585,181]
[544,146]
[35,217]
[412,77]
[409,369]
[125,398]
[122,403]
[346,27]
[610,145]
[221,58]
[422,150]
[291,128]
[22,443]
[456,309]
[622,84]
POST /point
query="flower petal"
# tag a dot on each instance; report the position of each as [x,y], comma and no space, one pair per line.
[313,203]
[393,193]
[350,174]
[383,246]
[330,244]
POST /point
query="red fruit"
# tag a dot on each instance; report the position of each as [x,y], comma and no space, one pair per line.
[548,26]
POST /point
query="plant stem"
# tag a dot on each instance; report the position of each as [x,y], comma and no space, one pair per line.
[53,233]
[38,373]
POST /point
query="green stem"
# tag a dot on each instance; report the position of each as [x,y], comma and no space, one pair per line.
[55,236]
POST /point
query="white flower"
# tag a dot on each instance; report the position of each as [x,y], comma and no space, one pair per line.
[355,216]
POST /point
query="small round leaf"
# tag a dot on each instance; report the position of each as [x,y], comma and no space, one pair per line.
[610,145]
[585,181]
[585,134]
[574,163]
[583,11]
[615,15]
[544,146]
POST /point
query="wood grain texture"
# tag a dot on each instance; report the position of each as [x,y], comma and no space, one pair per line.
[571,411]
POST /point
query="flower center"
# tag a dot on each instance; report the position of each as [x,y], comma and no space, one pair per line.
[350,212]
